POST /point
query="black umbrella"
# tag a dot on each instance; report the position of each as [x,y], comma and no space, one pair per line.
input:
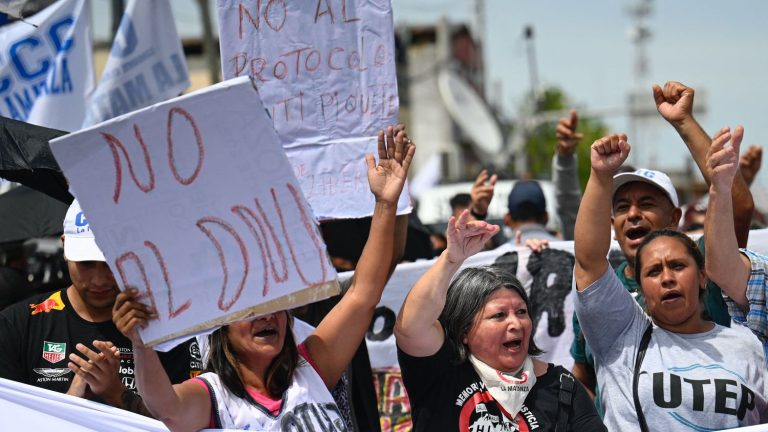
[26,158]
[27,213]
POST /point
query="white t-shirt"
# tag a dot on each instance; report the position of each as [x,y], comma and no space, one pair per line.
[307,405]
[705,381]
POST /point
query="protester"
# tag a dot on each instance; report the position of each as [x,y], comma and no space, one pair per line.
[565,176]
[750,163]
[459,203]
[40,334]
[465,350]
[688,372]
[740,273]
[527,214]
[480,196]
[646,200]
[257,378]
[14,284]
[345,239]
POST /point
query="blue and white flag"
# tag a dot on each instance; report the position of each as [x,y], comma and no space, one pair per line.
[145,66]
[46,72]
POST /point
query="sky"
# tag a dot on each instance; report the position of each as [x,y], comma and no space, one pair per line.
[719,48]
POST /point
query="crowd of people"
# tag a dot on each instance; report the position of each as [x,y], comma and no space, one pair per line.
[674,336]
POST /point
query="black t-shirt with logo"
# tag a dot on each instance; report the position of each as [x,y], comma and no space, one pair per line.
[38,334]
[449,397]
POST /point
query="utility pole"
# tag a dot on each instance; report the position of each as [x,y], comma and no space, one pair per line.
[639,34]
[527,120]
[479,32]
[209,48]
[118,6]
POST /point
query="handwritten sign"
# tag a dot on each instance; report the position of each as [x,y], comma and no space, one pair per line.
[325,70]
[194,203]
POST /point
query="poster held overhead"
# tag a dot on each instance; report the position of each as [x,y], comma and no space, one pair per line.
[326,73]
[194,203]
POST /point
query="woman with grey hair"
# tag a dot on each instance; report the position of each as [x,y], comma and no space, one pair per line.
[465,350]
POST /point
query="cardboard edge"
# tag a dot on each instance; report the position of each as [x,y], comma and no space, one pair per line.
[302,297]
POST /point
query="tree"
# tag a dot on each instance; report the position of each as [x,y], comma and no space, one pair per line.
[541,141]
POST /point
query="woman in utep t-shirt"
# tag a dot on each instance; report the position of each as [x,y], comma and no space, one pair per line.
[695,374]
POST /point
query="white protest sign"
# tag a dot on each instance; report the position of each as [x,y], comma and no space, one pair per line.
[325,70]
[146,64]
[193,202]
[46,72]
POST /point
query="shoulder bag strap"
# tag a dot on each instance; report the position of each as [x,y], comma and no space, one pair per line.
[636,378]
[565,398]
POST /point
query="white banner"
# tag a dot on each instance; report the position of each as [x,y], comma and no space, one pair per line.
[46,71]
[194,203]
[27,408]
[36,409]
[546,278]
[326,73]
[145,66]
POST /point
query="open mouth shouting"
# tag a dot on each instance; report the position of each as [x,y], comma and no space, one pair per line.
[266,332]
[671,297]
[513,345]
[636,234]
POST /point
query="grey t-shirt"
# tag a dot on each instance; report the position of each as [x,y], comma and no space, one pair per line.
[705,381]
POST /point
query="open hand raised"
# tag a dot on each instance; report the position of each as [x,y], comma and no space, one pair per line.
[722,161]
[386,179]
[467,237]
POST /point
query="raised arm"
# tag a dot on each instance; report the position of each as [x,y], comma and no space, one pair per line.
[482,194]
[184,406]
[675,104]
[592,231]
[339,334]
[565,174]
[750,163]
[726,266]
[417,329]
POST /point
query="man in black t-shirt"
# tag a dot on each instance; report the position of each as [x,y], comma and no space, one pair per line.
[65,341]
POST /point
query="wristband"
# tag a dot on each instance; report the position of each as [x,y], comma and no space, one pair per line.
[477,215]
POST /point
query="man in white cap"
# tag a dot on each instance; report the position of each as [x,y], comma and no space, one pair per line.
[65,341]
[646,200]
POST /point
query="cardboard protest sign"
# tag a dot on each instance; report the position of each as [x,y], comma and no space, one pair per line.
[325,70]
[194,203]
[46,71]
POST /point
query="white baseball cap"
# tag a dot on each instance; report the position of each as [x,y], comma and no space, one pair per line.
[79,242]
[655,178]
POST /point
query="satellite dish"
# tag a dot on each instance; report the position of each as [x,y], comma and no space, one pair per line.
[471,113]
